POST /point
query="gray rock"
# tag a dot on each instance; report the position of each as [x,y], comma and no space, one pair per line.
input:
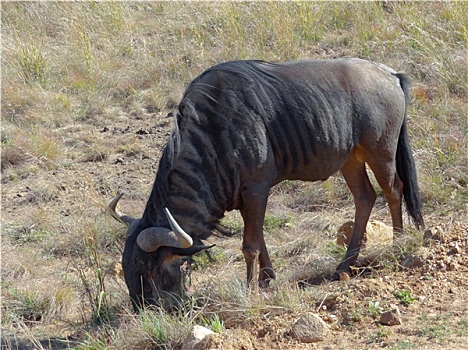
[309,328]
[412,261]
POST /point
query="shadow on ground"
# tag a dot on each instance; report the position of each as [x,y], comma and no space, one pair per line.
[12,342]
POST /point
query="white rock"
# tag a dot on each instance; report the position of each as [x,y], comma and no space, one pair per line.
[309,328]
[377,233]
[195,339]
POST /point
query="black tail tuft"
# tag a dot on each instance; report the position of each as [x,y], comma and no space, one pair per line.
[406,167]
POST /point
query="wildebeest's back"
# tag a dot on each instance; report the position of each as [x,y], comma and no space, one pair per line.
[312,121]
[296,120]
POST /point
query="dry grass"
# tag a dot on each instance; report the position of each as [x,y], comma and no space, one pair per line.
[69,70]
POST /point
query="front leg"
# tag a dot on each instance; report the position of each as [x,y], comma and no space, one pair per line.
[254,200]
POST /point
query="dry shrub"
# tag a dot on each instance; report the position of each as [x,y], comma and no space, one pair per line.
[12,156]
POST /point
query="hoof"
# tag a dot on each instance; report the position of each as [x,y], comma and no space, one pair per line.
[335,277]
[265,281]
[264,284]
[265,277]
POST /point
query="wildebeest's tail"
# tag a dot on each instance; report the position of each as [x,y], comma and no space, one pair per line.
[406,167]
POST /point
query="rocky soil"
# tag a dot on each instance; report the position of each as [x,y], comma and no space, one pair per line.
[433,316]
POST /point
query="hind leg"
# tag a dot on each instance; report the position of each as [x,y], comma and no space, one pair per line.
[354,172]
[392,186]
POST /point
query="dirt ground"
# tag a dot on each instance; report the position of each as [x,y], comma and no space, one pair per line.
[435,318]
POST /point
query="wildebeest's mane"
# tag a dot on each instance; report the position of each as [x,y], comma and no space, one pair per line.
[160,196]
[165,165]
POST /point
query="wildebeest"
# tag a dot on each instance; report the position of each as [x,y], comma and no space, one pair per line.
[244,126]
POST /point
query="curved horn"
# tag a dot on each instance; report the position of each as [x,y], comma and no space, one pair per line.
[151,239]
[112,209]
[184,239]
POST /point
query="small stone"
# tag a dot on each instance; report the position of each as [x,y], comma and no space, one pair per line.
[439,236]
[344,233]
[344,276]
[376,233]
[309,328]
[454,250]
[391,318]
[427,236]
[194,340]
[452,266]
[329,318]
[435,234]
[412,262]
[385,279]
[441,255]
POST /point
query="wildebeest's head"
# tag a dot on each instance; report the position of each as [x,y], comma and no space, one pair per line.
[156,260]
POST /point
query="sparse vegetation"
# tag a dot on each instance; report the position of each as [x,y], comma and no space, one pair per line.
[274,222]
[214,323]
[374,309]
[382,334]
[86,87]
[405,296]
[441,327]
